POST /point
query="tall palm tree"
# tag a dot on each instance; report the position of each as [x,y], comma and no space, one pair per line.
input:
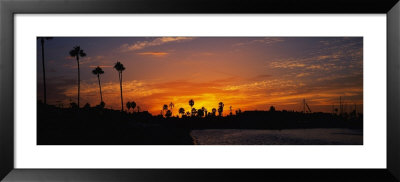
[120,68]
[77,52]
[191,103]
[42,39]
[98,71]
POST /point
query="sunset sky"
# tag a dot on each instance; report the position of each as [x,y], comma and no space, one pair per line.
[250,73]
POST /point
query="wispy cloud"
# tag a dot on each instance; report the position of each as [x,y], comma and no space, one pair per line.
[153,53]
[265,41]
[287,64]
[155,42]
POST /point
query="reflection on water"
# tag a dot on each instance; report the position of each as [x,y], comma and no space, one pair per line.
[278,137]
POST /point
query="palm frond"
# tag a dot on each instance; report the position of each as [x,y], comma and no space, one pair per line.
[81,53]
[133,104]
[97,70]
[119,66]
[72,53]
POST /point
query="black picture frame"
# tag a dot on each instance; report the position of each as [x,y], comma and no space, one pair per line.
[8,8]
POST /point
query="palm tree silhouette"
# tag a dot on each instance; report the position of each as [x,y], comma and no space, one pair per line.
[181,111]
[133,105]
[171,105]
[98,71]
[42,39]
[120,68]
[165,107]
[191,103]
[214,111]
[200,112]
[77,52]
[168,114]
[203,111]
[128,105]
[220,108]
[194,111]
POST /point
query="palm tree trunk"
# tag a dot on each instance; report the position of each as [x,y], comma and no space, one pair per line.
[122,102]
[44,72]
[79,79]
[101,95]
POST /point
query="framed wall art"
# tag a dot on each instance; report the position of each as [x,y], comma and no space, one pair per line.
[199,90]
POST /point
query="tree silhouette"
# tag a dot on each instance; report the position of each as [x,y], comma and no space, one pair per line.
[86,106]
[171,106]
[133,105]
[73,105]
[77,52]
[42,39]
[120,68]
[271,109]
[102,105]
[191,103]
[165,107]
[98,71]
[194,111]
[200,112]
[214,111]
[181,111]
[168,114]
[220,108]
[128,105]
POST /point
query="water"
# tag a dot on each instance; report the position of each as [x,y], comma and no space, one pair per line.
[320,136]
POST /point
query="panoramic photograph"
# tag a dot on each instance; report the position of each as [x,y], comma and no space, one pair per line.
[199,90]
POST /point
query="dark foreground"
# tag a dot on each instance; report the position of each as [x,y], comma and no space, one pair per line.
[95,126]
